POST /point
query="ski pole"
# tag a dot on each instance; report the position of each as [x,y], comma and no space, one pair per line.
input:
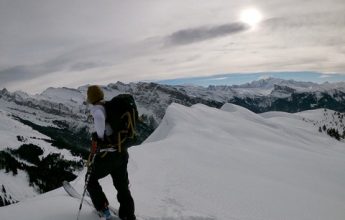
[87,178]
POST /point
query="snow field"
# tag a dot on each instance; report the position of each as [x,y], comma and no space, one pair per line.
[204,163]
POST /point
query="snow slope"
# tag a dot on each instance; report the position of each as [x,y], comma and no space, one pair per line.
[11,128]
[205,163]
[319,118]
[17,186]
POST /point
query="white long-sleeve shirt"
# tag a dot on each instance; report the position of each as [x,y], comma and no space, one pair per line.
[99,116]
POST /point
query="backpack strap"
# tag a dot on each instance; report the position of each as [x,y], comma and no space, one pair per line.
[130,129]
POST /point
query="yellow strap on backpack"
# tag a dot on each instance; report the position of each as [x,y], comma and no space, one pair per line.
[130,126]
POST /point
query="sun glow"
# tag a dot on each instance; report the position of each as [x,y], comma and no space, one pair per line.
[251,16]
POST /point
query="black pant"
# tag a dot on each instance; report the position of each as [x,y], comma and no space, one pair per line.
[115,164]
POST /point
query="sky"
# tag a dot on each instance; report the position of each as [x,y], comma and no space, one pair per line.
[47,43]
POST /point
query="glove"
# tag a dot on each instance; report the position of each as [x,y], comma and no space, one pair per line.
[97,143]
[94,143]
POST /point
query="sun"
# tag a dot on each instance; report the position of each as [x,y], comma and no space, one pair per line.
[251,16]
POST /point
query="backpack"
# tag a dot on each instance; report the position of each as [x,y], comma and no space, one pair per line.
[122,116]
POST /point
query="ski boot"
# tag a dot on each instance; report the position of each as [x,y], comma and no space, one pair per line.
[105,214]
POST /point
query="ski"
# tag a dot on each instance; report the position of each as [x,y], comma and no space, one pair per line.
[71,191]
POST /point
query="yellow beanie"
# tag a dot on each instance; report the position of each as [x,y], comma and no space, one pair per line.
[94,94]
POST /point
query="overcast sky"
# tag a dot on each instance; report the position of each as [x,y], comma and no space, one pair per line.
[75,42]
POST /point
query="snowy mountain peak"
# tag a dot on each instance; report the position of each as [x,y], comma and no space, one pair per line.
[282,91]
[269,83]
[4,91]
[63,95]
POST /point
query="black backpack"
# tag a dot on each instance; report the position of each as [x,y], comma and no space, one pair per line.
[122,115]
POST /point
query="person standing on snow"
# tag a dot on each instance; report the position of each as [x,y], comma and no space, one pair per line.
[108,160]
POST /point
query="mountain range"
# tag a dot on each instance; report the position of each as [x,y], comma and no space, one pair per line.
[48,133]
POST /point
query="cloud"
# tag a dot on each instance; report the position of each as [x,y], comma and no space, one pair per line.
[323,76]
[20,72]
[32,71]
[83,58]
[265,76]
[26,72]
[217,78]
[307,20]
[81,66]
[192,35]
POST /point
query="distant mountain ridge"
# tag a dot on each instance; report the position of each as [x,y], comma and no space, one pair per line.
[152,99]
[270,82]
